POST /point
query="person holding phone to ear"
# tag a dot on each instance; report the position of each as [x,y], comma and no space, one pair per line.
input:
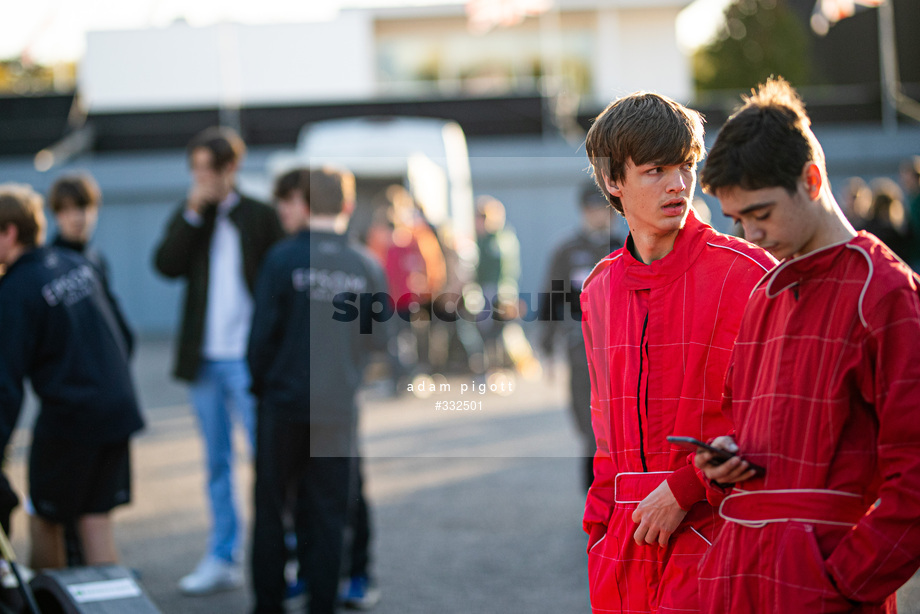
[215,241]
[823,389]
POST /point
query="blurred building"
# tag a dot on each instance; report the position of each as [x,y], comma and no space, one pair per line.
[153,88]
[512,89]
[593,48]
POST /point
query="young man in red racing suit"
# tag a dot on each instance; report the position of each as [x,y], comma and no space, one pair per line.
[659,318]
[823,389]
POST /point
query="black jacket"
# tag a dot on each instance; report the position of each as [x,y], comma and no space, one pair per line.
[185,252]
[303,362]
[570,264]
[59,330]
[95,258]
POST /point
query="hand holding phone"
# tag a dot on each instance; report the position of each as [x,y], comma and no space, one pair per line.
[720,455]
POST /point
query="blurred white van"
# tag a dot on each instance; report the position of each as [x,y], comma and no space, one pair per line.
[427,156]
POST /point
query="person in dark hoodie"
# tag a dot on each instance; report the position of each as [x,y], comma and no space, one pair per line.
[306,367]
[60,331]
[75,199]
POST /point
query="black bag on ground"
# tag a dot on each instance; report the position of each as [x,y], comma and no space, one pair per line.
[105,589]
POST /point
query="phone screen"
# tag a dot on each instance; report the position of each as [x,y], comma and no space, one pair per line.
[691,444]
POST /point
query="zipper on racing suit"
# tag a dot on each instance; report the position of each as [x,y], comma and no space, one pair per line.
[643,367]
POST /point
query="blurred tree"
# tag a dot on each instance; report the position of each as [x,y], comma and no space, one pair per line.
[20,77]
[758,38]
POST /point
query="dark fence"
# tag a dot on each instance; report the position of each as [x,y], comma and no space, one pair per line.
[30,123]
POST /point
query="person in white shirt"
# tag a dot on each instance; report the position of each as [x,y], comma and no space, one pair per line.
[215,241]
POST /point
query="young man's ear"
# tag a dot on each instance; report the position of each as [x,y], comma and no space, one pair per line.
[348,207]
[613,188]
[813,180]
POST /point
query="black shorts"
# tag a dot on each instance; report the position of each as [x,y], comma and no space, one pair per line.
[69,479]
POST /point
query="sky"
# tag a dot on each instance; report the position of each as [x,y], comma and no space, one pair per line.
[699,22]
[53,30]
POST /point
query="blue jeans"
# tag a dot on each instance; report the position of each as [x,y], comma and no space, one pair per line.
[222,387]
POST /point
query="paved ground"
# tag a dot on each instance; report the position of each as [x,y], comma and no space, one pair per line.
[474,511]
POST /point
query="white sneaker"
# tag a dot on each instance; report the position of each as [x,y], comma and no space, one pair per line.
[212,575]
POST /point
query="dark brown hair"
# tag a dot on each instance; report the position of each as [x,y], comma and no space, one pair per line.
[224,143]
[82,189]
[766,143]
[324,189]
[645,128]
[297,179]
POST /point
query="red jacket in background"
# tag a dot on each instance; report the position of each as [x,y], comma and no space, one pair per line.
[824,391]
[659,338]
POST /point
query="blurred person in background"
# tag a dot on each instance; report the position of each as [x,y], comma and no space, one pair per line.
[306,369]
[60,331]
[855,201]
[910,181]
[454,340]
[570,264]
[216,241]
[379,234]
[416,272]
[497,273]
[887,218]
[358,589]
[412,227]
[659,318]
[379,239]
[75,200]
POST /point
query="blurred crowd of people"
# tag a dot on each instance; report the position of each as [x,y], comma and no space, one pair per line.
[888,209]
[245,341]
[474,280]
[244,348]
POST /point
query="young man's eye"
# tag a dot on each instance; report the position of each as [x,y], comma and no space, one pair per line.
[762,216]
[689,166]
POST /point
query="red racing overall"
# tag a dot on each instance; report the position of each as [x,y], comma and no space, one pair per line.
[659,338]
[824,391]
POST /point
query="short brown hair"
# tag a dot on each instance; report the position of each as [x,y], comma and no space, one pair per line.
[645,128]
[325,189]
[766,143]
[21,206]
[81,189]
[297,179]
[224,143]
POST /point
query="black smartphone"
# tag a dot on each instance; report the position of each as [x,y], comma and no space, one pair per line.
[691,444]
